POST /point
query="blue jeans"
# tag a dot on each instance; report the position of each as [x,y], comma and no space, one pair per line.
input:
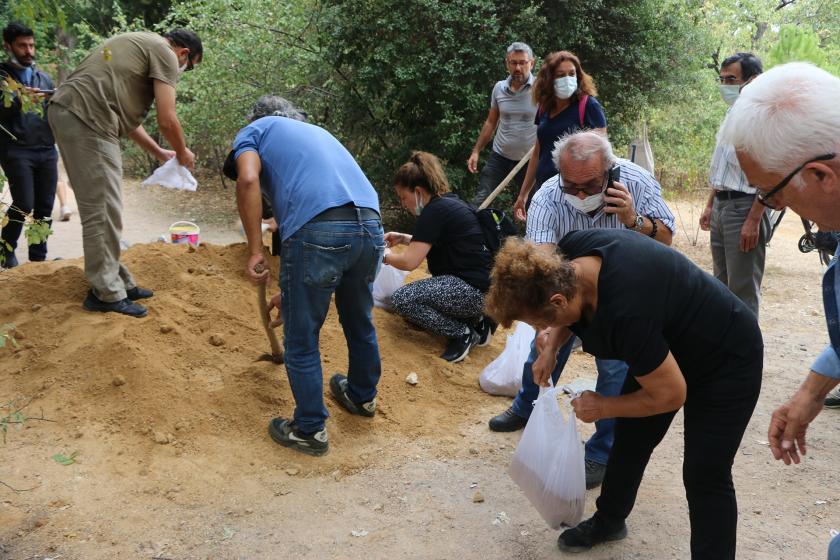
[317,261]
[834,548]
[611,374]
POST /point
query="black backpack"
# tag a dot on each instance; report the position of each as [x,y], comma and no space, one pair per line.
[496,227]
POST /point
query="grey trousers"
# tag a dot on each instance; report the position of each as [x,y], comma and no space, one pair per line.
[495,169]
[741,272]
[94,167]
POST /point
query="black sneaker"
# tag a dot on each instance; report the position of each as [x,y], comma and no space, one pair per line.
[124,306]
[338,388]
[594,474]
[589,533]
[286,434]
[832,400]
[458,348]
[507,421]
[485,328]
[137,292]
[10,261]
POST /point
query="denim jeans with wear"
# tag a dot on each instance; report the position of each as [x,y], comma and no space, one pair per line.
[611,374]
[317,261]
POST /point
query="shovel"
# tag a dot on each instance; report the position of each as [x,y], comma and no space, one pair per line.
[276,355]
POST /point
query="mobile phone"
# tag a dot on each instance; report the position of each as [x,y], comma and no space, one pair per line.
[47,91]
[613,175]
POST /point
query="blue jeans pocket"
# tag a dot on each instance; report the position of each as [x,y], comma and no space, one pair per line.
[373,271]
[324,266]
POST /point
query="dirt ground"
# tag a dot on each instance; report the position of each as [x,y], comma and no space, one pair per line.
[172,458]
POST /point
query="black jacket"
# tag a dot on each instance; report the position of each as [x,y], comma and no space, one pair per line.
[31,130]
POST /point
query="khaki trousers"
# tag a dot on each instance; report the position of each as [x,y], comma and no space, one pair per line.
[94,166]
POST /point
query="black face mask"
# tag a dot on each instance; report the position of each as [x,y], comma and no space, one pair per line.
[229,167]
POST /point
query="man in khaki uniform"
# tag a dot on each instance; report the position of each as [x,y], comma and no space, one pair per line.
[106,98]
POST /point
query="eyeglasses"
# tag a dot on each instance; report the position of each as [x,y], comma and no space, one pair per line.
[590,189]
[728,80]
[516,63]
[765,197]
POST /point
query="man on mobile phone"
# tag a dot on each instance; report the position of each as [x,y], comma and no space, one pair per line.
[27,146]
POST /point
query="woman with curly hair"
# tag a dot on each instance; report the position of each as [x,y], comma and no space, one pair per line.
[565,95]
[449,237]
[689,343]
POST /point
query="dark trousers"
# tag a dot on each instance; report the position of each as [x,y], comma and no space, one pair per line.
[495,169]
[717,411]
[32,176]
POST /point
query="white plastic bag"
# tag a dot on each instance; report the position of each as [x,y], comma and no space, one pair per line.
[385,284]
[548,463]
[640,152]
[503,376]
[172,175]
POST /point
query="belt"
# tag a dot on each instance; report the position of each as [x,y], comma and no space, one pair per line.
[732,195]
[346,213]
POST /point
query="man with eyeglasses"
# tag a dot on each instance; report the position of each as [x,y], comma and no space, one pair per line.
[579,198]
[107,98]
[786,130]
[511,117]
[736,220]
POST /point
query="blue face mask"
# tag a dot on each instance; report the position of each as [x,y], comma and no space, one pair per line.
[418,204]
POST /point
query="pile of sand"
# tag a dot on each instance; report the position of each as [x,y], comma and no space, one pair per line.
[184,381]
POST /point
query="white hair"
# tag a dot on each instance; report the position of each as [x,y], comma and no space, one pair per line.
[785,116]
[582,146]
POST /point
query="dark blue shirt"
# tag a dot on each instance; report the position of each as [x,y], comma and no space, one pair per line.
[565,122]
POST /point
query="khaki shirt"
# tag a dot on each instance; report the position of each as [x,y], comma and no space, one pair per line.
[112,89]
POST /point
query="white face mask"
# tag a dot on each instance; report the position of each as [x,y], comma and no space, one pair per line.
[418,204]
[586,205]
[182,69]
[564,88]
[729,93]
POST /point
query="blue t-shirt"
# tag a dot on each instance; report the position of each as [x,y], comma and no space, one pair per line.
[565,122]
[305,171]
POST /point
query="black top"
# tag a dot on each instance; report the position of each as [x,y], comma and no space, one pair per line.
[31,130]
[450,226]
[652,299]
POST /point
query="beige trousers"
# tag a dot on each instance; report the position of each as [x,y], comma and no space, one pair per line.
[94,165]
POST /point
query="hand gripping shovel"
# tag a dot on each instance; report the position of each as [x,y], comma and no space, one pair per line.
[276,355]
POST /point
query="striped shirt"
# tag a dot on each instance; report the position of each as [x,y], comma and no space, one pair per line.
[550,217]
[725,172]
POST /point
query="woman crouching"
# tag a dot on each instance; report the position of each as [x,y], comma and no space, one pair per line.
[449,237]
[688,343]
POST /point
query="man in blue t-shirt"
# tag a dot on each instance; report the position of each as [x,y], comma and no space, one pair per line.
[327,216]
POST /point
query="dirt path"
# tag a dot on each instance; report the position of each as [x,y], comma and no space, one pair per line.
[173,460]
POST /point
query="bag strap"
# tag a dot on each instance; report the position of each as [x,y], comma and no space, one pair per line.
[582,108]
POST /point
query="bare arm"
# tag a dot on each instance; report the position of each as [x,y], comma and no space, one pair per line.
[249,202]
[168,123]
[662,390]
[752,227]
[706,216]
[527,183]
[411,258]
[148,144]
[483,138]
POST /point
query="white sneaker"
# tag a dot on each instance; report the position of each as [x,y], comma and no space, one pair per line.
[64,215]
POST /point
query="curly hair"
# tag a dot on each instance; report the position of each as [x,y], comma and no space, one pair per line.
[422,170]
[523,280]
[543,92]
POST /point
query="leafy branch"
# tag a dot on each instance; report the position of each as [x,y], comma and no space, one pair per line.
[13,414]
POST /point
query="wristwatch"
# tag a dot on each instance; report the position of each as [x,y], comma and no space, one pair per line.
[638,224]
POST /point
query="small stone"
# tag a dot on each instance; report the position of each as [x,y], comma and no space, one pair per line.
[40,522]
[412,379]
[292,471]
[191,270]
[165,329]
[161,438]
[18,334]
[77,435]
[478,497]
[217,340]
[118,380]
[379,507]
[473,451]
[36,307]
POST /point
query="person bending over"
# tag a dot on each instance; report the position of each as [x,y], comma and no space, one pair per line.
[449,237]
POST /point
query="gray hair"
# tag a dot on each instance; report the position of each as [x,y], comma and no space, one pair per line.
[275,106]
[785,116]
[520,47]
[583,146]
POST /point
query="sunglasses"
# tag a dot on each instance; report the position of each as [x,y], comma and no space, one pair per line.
[764,198]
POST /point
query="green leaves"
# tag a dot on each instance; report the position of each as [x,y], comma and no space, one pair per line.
[65,460]
[7,334]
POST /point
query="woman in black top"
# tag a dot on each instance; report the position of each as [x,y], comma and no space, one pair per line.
[449,237]
[688,343]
